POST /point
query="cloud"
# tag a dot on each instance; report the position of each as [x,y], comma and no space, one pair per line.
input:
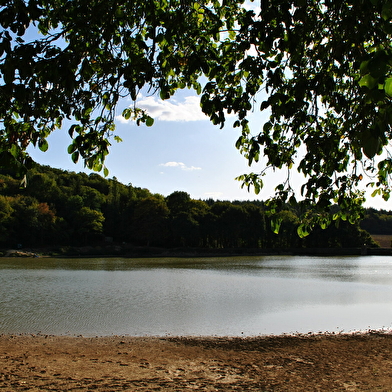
[170,110]
[181,165]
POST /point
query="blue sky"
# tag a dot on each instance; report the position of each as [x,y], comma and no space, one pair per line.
[182,151]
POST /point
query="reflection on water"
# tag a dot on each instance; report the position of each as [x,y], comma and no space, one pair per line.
[195,296]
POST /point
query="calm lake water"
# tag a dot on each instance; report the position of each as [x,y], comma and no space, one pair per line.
[205,296]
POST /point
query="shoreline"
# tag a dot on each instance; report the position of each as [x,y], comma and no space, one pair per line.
[338,362]
[146,252]
[300,335]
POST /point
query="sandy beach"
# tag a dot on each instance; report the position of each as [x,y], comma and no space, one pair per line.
[326,362]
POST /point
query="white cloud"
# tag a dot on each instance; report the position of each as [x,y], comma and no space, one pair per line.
[181,165]
[170,110]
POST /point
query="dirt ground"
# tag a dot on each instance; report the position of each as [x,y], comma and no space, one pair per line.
[356,362]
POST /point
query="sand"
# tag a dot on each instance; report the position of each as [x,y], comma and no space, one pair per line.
[325,362]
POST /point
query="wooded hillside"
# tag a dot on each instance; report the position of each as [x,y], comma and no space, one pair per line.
[59,208]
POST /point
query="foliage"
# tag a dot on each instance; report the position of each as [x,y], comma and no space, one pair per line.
[150,221]
[377,222]
[325,67]
[81,209]
[86,56]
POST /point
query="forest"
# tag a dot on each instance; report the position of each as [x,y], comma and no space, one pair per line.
[62,208]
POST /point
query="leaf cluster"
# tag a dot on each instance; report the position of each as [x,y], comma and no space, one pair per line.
[320,70]
[74,61]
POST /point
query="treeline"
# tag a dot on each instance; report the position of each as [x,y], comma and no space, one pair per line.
[59,208]
[377,221]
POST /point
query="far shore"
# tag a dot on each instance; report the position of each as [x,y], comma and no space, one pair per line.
[147,252]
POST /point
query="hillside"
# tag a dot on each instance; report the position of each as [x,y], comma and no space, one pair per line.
[61,208]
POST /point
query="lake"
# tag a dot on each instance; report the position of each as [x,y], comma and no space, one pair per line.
[235,296]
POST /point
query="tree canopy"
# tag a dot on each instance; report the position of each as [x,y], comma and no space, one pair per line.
[65,209]
[325,66]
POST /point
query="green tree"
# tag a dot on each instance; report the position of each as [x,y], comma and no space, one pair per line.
[88,224]
[118,210]
[184,230]
[47,230]
[326,66]
[342,236]
[150,221]
[6,211]
[229,224]
[184,226]
[233,223]
[33,223]
[287,236]
[92,198]
[42,186]
[255,227]
[8,185]
[178,201]
[377,222]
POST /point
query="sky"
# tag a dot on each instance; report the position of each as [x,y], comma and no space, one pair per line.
[182,151]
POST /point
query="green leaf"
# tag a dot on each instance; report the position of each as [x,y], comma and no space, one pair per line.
[324,224]
[275,224]
[386,12]
[303,231]
[368,81]
[164,94]
[378,65]
[267,127]
[364,67]
[352,219]
[127,113]
[371,146]
[388,87]
[239,142]
[149,121]
[43,145]
[75,157]
[8,72]
[376,192]
[71,148]
[15,151]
